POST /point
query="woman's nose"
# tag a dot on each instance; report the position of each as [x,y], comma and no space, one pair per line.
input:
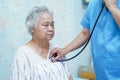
[50,27]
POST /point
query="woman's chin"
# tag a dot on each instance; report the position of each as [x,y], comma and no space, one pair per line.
[50,39]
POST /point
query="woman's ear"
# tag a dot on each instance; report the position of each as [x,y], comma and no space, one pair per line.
[32,29]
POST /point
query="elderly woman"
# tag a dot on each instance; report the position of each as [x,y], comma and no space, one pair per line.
[32,59]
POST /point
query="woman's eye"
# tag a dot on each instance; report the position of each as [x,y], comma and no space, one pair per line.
[45,25]
[52,25]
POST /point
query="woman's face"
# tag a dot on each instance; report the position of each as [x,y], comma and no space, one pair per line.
[45,27]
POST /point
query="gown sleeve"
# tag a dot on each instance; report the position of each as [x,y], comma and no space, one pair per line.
[20,69]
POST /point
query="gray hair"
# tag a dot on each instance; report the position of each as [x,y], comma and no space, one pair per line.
[33,17]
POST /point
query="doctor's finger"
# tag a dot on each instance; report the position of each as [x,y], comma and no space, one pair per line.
[53,52]
[56,58]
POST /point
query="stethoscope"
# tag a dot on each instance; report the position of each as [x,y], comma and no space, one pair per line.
[62,60]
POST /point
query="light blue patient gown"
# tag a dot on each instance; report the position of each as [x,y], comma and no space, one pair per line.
[105,41]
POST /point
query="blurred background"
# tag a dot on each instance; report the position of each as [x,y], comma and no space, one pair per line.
[13,33]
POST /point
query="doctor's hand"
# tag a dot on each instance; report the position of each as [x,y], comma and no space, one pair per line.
[111,4]
[57,53]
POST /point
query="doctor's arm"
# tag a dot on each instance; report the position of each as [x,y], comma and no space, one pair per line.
[115,11]
[76,43]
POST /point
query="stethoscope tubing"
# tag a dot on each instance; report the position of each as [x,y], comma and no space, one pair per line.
[62,60]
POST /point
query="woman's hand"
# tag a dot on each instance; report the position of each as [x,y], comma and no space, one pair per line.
[57,53]
[111,4]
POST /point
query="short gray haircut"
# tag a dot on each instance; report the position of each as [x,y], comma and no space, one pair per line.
[34,15]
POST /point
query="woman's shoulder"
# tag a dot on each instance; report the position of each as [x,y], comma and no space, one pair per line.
[21,51]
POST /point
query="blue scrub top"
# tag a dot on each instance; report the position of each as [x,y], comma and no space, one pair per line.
[105,41]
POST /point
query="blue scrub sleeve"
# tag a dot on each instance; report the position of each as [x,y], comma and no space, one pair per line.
[86,18]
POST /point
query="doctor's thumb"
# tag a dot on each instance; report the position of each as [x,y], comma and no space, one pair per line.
[53,53]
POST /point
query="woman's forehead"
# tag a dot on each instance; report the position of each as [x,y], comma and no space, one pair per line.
[46,17]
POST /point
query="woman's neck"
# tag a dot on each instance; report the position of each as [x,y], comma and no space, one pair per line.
[40,43]
[41,47]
